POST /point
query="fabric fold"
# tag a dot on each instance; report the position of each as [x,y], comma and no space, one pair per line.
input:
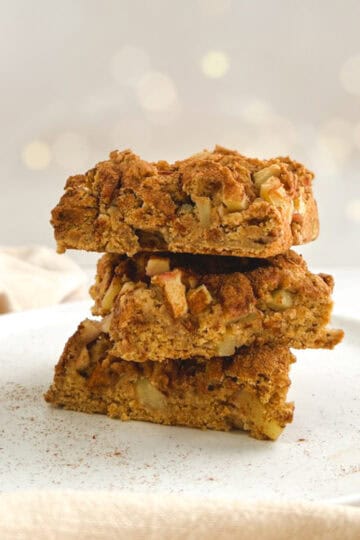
[35,277]
[72,515]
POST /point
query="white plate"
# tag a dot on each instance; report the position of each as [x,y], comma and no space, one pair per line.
[317,457]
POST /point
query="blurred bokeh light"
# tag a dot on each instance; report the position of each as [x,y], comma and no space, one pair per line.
[215,64]
[168,79]
[36,155]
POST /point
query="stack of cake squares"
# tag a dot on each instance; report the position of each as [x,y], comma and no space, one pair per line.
[198,296]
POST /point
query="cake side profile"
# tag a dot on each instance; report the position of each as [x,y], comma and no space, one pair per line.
[216,202]
[245,391]
[157,307]
[198,294]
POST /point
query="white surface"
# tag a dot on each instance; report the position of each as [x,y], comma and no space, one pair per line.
[42,447]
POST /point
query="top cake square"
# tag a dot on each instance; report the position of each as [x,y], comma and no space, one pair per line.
[218,202]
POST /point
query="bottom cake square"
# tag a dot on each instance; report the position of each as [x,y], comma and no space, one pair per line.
[246,391]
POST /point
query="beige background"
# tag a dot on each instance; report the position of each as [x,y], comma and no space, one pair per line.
[168,78]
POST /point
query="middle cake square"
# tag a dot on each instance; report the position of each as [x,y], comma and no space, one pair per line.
[171,306]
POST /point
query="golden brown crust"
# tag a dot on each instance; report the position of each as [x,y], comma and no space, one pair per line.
[245,391]
[179,306]
[216,202]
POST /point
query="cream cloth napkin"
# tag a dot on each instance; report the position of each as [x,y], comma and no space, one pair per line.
[106,516]
[35,277]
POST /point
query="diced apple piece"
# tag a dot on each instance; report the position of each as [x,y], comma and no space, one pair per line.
[272,429]
[227,346]
[110,295]
[264,174]
[149,395]
[273,192]
[281,299]
[174,291]
[198,299]
[203,205]
[255,411]
[157,265]
[234,197]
